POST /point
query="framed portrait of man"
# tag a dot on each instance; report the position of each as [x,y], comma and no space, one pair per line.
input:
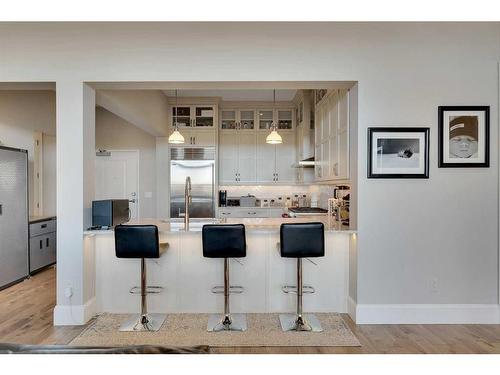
[464,136]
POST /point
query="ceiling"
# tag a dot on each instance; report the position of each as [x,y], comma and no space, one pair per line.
[236,94]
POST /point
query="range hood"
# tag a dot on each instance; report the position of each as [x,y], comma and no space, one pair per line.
[306,163]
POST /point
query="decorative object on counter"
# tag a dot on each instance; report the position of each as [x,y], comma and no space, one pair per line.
[398,152]
[247,201]
[303,201]
[338,206]
[222,198]
[274,138]
[464,136]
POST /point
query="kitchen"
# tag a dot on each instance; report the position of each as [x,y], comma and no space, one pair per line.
[256,157]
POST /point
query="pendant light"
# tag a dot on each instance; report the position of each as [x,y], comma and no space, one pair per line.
[176,137]
[274,138]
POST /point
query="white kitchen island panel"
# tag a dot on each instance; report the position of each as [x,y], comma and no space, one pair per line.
[187,277]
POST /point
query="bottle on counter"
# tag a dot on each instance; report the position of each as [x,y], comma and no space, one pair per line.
[295,200]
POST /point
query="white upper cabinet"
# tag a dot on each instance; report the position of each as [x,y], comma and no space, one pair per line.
[246,157]
[274,162]
[266,160]
[243,149]
[238,119]
[237,157]
[285,157]
[194,116]
[332,137]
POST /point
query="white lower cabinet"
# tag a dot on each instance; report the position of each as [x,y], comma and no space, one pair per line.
[248,212]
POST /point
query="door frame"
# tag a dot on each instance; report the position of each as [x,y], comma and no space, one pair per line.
[137,155]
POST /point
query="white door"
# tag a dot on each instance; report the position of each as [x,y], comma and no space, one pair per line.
[228,157]
[117,177]
[266,158]
[285,157]
[246,157]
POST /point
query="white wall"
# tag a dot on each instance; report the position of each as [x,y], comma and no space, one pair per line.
[410,232]
[114,133]
[21,114]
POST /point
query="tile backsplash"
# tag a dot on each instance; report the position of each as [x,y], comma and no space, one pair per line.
[322,192]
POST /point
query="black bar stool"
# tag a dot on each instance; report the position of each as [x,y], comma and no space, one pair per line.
[225,241]
[301,240]
[140,242]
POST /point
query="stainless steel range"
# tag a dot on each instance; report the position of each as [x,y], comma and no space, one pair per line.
[306,211]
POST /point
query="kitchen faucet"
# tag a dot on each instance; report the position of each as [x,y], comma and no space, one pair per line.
[187,201]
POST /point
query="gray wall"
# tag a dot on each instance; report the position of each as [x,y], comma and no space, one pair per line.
[410,232]
[114,133]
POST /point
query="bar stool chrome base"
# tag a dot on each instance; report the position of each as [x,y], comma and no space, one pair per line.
[232,322]
[294,322]
[147,322]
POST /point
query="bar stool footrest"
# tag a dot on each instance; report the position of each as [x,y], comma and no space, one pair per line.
[235,289]
[292,289]
[153,289]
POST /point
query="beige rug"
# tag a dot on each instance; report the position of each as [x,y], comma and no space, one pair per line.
[190,330]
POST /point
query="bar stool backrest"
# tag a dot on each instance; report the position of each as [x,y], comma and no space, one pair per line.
[302,240]
[137,241]
[224,241]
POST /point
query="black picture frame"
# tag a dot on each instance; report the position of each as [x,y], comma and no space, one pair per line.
[441,125]
[425,131]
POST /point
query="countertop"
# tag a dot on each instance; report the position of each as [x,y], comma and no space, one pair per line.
[251,224]
[37,219]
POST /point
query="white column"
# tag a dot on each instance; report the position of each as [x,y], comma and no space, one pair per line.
[75,190]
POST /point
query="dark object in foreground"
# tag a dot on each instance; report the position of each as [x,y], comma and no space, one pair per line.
[133,349]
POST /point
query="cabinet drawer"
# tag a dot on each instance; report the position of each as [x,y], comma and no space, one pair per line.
[249,212]
[42,251]
[42,227]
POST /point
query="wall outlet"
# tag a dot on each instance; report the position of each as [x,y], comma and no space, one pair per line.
[68,292]
[434,285]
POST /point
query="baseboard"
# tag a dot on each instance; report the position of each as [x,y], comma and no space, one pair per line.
[70,315]
[428,314]
[351,308]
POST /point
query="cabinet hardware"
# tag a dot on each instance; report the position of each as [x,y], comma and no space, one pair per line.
[43,226]
[47,242]
[41,244]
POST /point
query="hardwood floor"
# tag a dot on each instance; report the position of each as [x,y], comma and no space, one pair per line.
[26,318]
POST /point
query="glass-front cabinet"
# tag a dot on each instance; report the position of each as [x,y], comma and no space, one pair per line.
[247,119]
[242,119]
[284,120]
[196,116]
[266,118]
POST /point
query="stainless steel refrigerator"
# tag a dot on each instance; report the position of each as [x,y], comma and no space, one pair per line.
[199,164]
[13,215]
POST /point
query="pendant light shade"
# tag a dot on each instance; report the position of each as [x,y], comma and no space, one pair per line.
[176,137]
[274,138]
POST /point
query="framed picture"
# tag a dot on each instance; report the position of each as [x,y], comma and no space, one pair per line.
[398,152]
[464,136]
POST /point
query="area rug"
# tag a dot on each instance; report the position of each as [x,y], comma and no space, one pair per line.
[190,330]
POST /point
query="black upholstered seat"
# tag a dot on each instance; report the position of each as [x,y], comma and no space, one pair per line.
[224,241]
[137,241]
[302,240]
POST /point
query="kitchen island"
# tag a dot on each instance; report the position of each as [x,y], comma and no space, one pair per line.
[188,278]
